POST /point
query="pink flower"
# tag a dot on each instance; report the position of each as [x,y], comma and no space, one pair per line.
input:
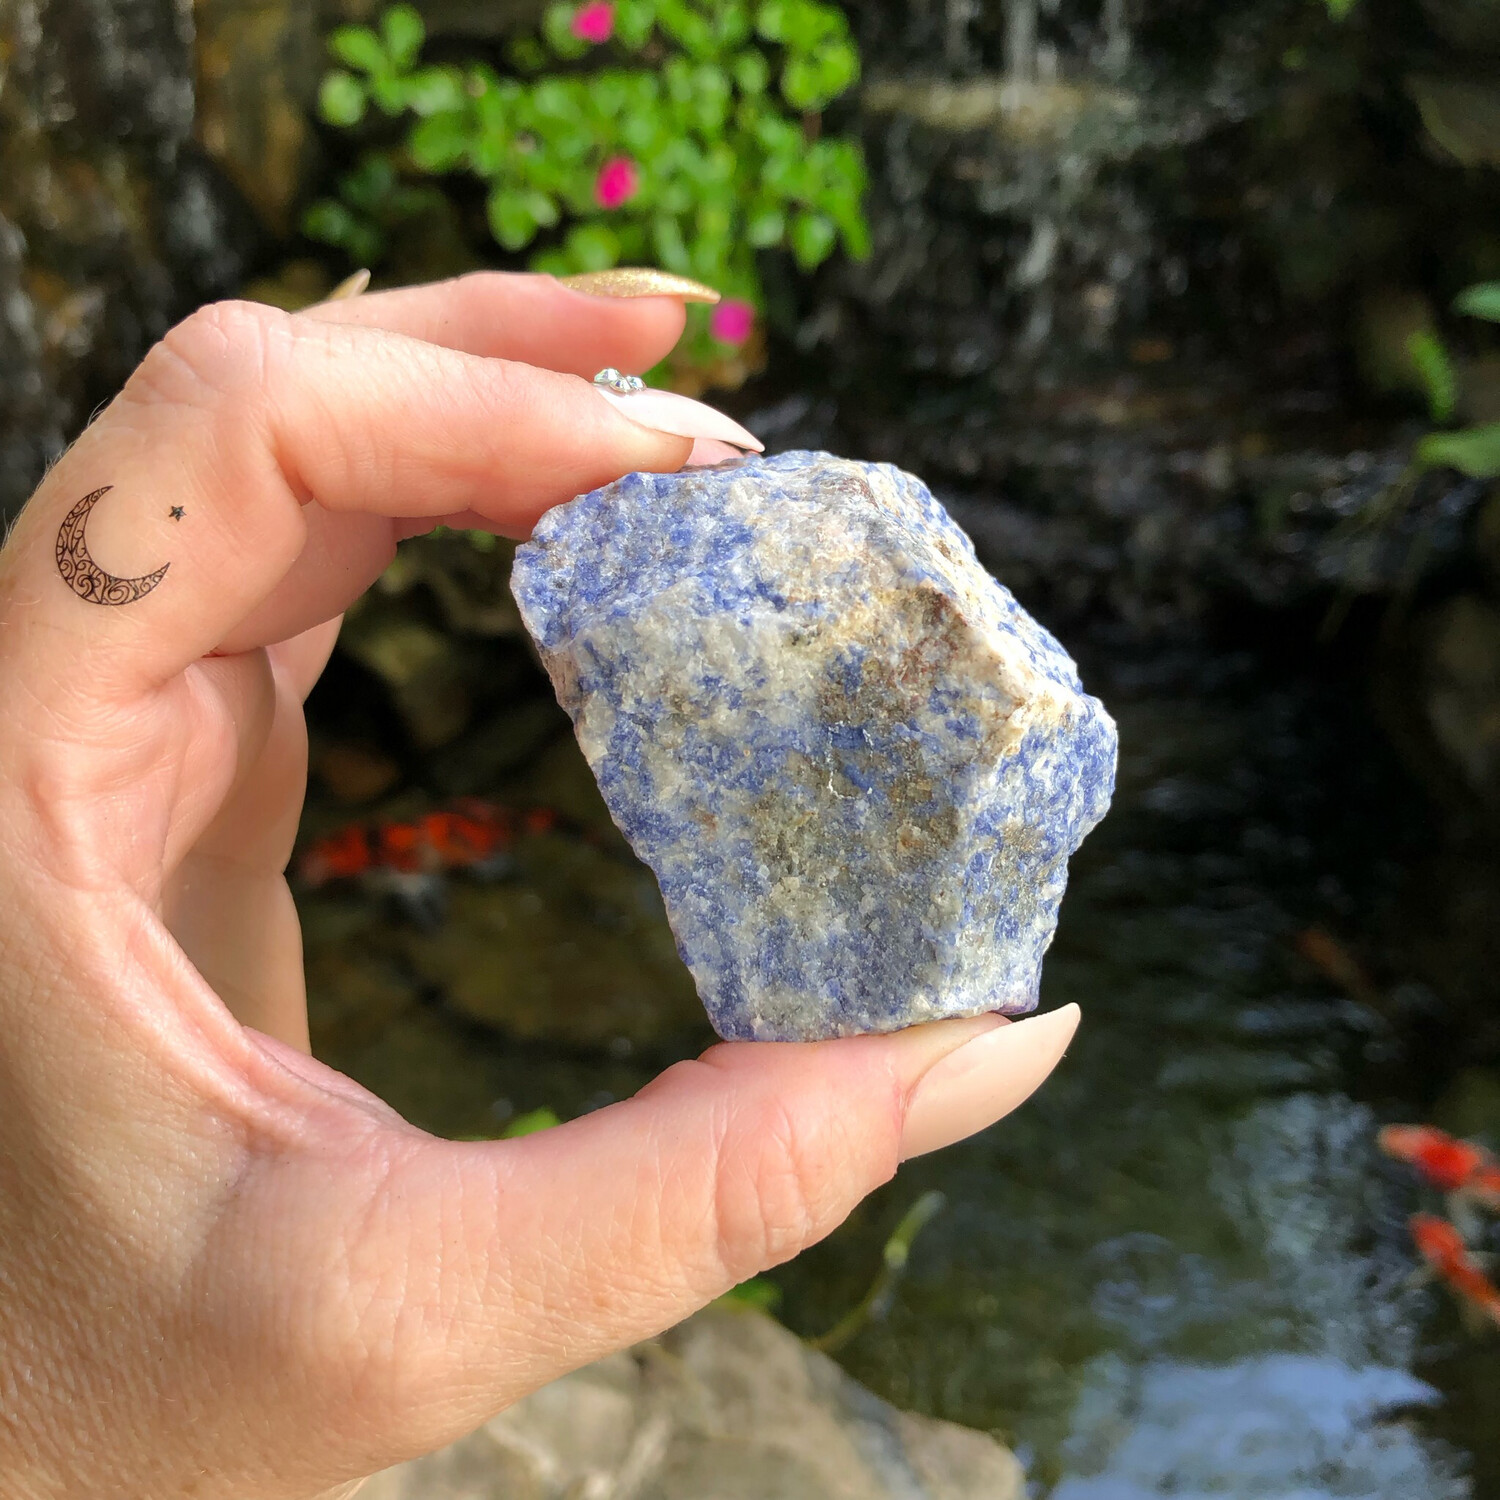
[732,321]
[593,22]
[619,180]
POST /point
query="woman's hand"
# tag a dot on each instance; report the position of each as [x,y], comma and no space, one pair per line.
[226,1270]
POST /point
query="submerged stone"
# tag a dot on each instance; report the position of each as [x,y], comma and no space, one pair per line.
[856,766]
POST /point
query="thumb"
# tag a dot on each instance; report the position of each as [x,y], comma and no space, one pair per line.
[525,1259]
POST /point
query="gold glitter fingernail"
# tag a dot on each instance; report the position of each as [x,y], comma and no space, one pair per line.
[350,286]
[639,281]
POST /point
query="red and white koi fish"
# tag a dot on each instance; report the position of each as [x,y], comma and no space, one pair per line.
[1448,1164]
[1449,1258]
[410,860]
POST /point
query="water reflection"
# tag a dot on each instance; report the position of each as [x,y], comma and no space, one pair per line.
[1182,1270]
[1290,1426]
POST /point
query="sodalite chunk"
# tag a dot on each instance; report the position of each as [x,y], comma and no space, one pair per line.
[855,764]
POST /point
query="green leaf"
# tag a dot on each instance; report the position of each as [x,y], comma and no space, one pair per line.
[810,80]
[593,247]
[534,1119]
[731,24]
[527,55]
[1475,451]
[404,34]
[1482,301]
[333,224]
[758,1293]
[542,208]
[1339,9]
[751,72]
[360,48]
[634,21]
[435,91]
[671,248]
[799,25]
[771,20]
[557,31]
[855,231]
[552,262]
[440,142]
[765,227]
[511,220]
[370,185]
[328,221]
[341,98]
[1432,364]
[388,90]
[813,236]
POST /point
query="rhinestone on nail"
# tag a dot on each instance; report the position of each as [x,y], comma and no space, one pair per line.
[623,385]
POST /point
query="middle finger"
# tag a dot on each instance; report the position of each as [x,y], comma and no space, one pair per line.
[535,320]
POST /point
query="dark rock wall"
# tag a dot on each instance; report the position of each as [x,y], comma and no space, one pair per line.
[1142,281]
[112,222]
[1143,275]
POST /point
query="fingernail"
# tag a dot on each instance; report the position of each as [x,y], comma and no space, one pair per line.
[708,451]
[983,1079]
[666,411]
[639,281]
[350,286]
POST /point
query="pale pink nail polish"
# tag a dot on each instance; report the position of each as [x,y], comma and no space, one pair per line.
[666,411]
[708,451]
[984,1079]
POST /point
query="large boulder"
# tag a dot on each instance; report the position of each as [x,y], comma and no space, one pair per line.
[727,1406]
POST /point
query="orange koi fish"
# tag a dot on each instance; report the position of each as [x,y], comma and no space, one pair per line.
[1453,1263]
[470,835]
[1450,1165]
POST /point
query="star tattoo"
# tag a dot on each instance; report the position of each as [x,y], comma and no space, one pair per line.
[175,512]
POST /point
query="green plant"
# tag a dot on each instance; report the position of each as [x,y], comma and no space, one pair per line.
[1474,451]
[695,145]
[529,1123]
[876,1302]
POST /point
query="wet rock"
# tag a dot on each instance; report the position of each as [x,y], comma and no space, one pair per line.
[1437,691]
[1462,117]
[855,765]
[257,73]
[729,1405]
[575,949]
[1463,691]
[420,664]
[112,223]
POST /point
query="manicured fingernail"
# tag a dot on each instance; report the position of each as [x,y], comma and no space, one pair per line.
[639,281]
[983,1079]
[350,286]
[666,411]
[708,451]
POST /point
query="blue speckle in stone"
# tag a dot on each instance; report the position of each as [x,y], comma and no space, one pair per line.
[855,764]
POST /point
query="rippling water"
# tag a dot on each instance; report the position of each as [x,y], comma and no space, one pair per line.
[1182,1269]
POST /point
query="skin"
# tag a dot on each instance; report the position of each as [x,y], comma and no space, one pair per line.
[226,1270]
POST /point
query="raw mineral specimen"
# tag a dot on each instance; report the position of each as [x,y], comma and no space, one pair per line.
[855,764]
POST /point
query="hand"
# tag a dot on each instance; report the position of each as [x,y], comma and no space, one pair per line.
[226,1270]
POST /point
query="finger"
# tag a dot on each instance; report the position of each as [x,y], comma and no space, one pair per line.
[239,418]
[533,319]
[226,900]
[521,1260]
[300,660]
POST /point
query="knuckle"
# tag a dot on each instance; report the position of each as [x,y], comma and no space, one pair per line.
[222,349]
[773,1194]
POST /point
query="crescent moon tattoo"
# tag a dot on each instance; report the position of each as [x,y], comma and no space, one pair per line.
[83,575]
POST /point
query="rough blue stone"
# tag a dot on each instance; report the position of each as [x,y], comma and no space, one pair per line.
[855,764]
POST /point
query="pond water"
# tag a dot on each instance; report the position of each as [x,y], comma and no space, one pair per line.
[1182,1269]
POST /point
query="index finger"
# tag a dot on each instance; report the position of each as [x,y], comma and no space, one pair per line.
[522,316]
[202,466]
